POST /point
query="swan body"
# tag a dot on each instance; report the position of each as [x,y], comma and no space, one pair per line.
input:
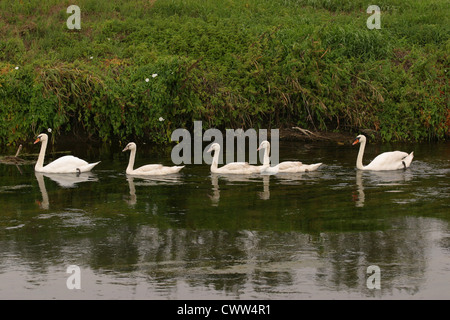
[65,164]
[285,166]
[230,168]
[147,170]
[393,160]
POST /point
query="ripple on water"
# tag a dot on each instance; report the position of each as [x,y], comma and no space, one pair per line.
[15,227]
[8,189]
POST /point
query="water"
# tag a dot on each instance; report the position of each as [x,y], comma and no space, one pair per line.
[199,236]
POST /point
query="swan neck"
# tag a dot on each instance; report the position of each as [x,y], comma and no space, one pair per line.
[40,162]
[131,185]
[131,161]
[215,160]
[359,164]
[41,183]
[266,159]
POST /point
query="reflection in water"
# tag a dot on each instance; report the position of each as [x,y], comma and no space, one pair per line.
[178,263]
[295,178]
[271,237]
[359,200]
[265,194]
[148,181]
[216,191]
[391,178]
[69,180]
[237,178]
[132,200]
[45,203]
[395,178]
[63,180]
[278,179]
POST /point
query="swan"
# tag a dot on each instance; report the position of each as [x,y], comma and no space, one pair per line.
[393,160]
[147,170]
[285,166]
[65,164]
[230,168]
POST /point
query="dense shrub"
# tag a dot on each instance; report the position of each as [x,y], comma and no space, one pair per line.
[141,69]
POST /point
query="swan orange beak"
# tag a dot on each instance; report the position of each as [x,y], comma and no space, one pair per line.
[355,141]
[37,140]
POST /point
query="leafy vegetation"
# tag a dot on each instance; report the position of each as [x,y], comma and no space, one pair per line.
[140,69]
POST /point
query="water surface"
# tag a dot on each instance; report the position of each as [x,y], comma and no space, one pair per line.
[200,236]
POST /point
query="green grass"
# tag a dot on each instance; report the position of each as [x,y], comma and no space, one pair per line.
[231,64]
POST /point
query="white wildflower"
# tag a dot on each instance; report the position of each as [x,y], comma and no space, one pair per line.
[154,75]
[161,119]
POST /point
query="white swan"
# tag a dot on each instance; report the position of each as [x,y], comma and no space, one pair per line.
[147,170]
[230,168]
[393,160]
[66,164]
[283,167]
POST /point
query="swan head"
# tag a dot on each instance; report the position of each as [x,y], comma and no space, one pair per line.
[264,145]
[130,146]
[214,146]
[359,139]
[40,138]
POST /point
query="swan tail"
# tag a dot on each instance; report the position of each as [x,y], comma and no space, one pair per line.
[87,167]
[408,159]
[313,167]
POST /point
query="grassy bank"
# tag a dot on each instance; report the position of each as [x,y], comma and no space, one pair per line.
[140,69]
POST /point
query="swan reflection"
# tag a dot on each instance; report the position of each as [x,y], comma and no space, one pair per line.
[215,197]
[132,200]
[360,198]
[148,181]
[216,191]
[295,178]
[265,194]
[63,180]
[377,179]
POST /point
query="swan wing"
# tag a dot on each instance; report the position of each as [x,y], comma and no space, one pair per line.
[87,167]
[287,165]
[236,166]
[156,169]
[312,167]
[66,164]
[169,170]
[388,161]
[149,168]
[296,166]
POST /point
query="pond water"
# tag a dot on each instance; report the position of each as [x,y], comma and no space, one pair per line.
[200,236]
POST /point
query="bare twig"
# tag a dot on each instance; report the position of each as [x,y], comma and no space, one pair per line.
[310,134]
[18,151]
